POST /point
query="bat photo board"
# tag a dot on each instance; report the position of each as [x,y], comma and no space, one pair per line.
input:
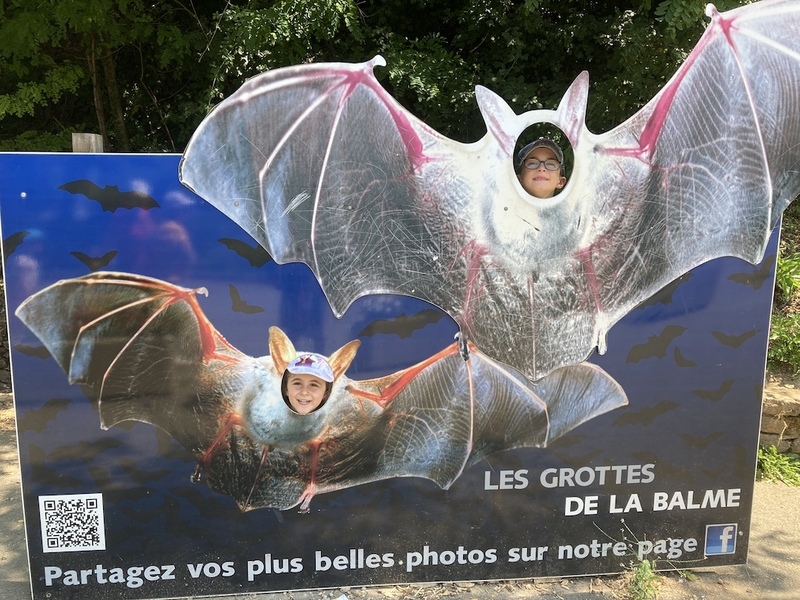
[166,483]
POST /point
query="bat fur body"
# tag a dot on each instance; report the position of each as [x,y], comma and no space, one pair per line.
[321,165]
[144,350]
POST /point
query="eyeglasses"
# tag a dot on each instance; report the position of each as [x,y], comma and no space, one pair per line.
[551,164]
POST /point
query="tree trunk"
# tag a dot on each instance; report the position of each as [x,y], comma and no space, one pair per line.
[99,110]
[110,71]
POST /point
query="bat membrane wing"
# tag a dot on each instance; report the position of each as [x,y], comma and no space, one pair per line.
[707,167]
[320,165]
[450,415]
[136,344]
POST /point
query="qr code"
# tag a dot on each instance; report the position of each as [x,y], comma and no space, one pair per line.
[72,523]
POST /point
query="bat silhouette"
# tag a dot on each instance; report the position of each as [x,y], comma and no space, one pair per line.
[38,419]
[755,278]
[102,480]
[701,442]
[717,394]
[139,475]
[35,351]
[681,360]
[403,325]
[95,263]
[645,415]
[664,295]
[665,469]
[144,350]
[109,197]
[714,473]
[43,474]
[734,341]
[13,242]
[321,165]
[656,345]
[578,461]
[84,451]
[239,305]
[567,441]
[255,255]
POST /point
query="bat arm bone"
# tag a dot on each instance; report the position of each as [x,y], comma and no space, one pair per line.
[209,337]
[264,453]
[230,421]
[585,257]
[726,25]
[662,103]
[311,488]
[387,394]
[133,338]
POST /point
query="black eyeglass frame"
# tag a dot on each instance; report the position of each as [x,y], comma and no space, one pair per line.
[531,164]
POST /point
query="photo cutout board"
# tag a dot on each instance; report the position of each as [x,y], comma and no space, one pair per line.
[160,459]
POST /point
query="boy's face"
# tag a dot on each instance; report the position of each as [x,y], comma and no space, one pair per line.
[305,392]
[540,182]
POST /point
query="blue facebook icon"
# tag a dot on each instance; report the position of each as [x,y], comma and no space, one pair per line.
[721,539]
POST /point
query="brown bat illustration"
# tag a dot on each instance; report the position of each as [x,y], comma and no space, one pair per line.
[144,350]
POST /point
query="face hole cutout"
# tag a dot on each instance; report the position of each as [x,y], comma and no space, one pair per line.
[540,182]
[328,386]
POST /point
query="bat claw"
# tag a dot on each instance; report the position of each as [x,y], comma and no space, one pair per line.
[306,497]
[197,476]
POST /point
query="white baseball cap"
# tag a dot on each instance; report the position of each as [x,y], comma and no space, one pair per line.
[310,363]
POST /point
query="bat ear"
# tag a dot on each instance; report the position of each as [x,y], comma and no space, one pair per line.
[341,359]
[571,113]
[500,119]
[281,349]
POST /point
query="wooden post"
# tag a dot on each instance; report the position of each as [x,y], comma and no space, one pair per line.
[87,142]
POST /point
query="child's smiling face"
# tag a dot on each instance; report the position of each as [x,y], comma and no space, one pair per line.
[305,392]
[541,182]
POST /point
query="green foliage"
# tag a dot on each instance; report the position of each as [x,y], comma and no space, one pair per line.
[172,60]
[644,582]
[784,342]
[775,466]
[787,276]
[38,141]
[682,15]
[30,95]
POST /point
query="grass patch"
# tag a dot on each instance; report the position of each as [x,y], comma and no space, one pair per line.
[775,466]
[644,582]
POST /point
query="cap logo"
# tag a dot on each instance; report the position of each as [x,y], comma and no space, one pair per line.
[311,363]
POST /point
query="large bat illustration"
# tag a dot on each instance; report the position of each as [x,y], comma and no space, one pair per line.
[144,350]
[320,165]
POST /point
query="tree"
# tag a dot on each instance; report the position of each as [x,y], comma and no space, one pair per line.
[144,75]
[87,65]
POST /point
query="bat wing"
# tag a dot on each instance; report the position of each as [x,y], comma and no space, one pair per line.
[320,165]
[110,197]
[142,348]
[12,242]
[84,187]
[443,416]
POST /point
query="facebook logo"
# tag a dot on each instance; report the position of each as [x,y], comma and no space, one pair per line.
[721,539]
